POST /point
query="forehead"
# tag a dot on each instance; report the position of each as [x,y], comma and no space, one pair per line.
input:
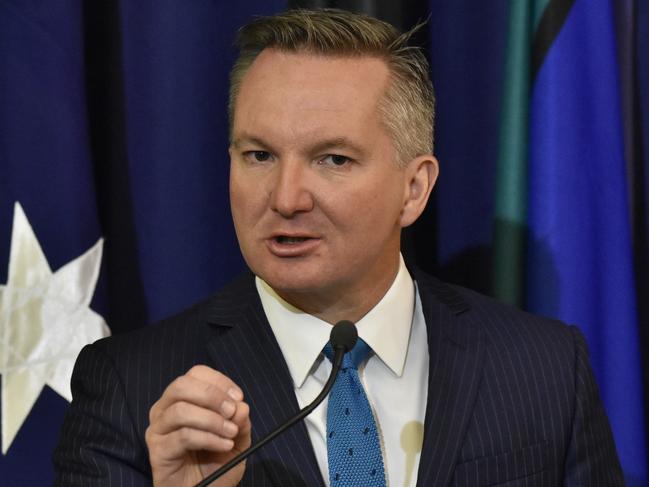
[305,90]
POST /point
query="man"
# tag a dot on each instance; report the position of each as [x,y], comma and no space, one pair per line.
[331,156]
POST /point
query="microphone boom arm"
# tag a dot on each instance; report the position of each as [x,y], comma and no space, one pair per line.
[337,362]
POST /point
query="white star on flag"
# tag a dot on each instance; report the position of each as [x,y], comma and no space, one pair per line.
[44,323]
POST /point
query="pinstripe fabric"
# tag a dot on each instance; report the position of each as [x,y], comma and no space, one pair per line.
[512,400]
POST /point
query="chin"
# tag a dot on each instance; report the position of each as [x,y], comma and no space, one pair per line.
[288,283]
[292,280]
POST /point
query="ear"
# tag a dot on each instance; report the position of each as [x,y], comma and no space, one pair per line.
[421,174]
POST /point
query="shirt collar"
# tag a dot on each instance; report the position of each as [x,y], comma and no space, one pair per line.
[301,337]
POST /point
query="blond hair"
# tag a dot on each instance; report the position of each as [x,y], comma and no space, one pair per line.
[408,105]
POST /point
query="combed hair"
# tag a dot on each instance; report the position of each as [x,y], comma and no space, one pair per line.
[408,106]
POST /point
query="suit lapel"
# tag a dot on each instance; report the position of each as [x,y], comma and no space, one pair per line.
[455,370]
[244,348]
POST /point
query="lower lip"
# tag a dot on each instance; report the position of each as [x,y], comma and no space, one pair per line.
[294,249]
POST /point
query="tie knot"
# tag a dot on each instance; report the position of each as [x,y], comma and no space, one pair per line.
[354,357]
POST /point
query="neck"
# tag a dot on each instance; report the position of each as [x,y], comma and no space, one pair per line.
[350,304]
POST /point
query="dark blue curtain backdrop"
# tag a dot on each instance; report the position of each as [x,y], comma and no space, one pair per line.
[113,124]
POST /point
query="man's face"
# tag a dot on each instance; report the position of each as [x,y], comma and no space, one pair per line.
[316,192]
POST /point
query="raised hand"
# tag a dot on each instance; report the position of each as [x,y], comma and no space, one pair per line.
[199,423]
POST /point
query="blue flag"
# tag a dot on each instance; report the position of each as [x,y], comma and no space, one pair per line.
[580,259]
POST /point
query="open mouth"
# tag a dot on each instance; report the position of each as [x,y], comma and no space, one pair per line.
[284,240]
[283,245]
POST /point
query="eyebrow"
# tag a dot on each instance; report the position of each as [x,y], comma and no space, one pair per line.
[248,139]
[341,142]
[336,143]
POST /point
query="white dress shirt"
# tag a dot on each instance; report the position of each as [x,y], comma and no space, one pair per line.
[395,377]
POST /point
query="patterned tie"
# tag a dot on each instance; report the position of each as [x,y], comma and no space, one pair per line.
[353,447]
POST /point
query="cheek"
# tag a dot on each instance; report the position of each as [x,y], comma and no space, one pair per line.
[246,199]
[369,211]
[383,201]
[242,217]
[236,203]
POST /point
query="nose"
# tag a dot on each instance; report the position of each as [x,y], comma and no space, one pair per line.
[290,194]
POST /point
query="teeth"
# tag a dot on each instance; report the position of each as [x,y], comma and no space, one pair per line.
[291,240]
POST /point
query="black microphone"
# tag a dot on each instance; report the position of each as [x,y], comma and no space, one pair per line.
[342,338]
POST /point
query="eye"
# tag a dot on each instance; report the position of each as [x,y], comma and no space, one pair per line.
[335,160]
[256,156]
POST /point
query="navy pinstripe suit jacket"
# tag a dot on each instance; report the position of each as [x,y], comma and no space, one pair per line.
[511,397]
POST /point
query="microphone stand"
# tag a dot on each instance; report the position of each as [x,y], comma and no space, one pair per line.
[337,362]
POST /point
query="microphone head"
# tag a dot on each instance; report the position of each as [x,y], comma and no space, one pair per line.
[343,335]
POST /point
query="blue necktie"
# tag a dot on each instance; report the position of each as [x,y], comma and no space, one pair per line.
[353,447]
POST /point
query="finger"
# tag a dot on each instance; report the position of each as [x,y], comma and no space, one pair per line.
[242,419]
[242,416]
[186,415]
[177,443]
[189,389]
[207,374]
